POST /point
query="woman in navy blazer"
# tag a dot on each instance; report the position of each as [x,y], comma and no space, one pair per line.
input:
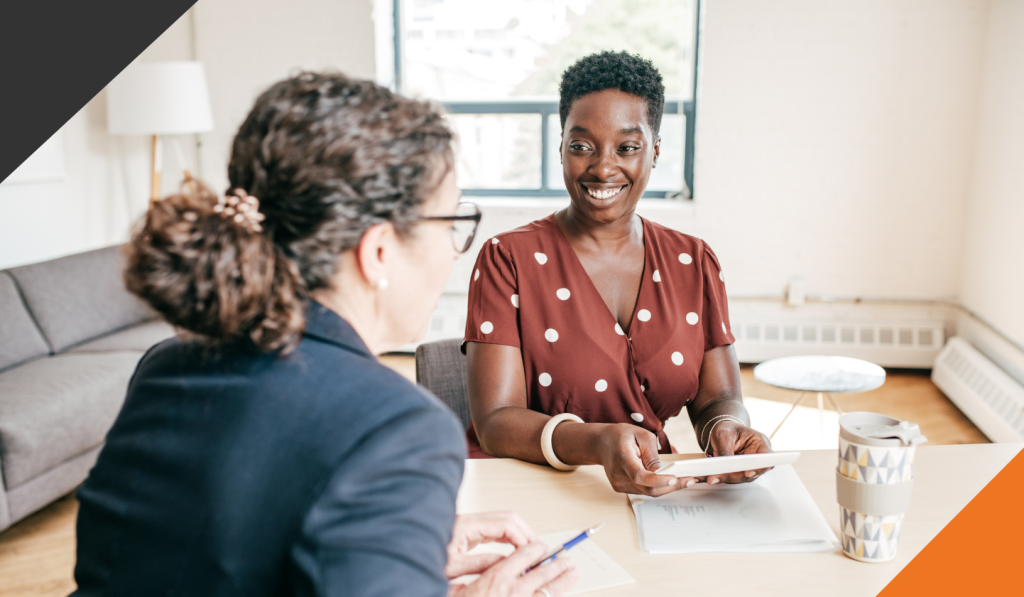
[266,451]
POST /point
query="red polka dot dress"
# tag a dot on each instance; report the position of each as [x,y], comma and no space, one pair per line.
[529,290]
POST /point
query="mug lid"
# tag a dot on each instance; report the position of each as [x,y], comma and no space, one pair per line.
[873,429]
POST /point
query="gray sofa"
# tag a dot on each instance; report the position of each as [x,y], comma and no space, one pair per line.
[70,337]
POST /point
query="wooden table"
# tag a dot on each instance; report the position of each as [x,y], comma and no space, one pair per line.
[947,477]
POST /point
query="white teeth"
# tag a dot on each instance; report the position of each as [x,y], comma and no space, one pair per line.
[604,194]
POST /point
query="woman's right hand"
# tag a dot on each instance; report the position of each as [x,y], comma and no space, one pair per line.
[502,579]
[630,457]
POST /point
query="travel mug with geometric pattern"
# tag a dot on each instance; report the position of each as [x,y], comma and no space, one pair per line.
[873,482]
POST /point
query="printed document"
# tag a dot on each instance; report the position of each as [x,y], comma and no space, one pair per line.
[773,514]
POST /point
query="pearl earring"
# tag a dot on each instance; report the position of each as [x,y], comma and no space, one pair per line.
[382,284]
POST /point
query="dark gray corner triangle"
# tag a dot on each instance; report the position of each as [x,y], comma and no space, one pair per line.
[55,56]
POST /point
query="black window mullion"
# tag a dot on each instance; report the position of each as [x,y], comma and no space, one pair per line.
[544,109]
[396,23]
[691,127]
[544,132]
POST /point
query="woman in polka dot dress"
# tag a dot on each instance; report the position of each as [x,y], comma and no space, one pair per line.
[588,329]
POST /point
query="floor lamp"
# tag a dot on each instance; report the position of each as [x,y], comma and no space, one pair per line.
[159,99]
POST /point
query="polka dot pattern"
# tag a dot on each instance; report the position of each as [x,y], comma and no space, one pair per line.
[680,312]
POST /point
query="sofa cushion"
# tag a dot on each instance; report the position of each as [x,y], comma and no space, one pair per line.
[79,297]
[20,339]
[54,408]
[138,337]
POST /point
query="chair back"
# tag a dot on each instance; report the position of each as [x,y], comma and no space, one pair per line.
[441,368]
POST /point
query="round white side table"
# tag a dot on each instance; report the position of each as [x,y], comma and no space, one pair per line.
[821,375]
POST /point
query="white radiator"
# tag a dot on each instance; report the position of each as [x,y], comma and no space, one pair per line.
[985,393]
[884,342]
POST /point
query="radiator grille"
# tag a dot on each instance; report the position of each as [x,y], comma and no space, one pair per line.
[998,398]
[992,399]
[928,335]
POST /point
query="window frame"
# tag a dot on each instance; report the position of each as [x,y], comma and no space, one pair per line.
[545,108]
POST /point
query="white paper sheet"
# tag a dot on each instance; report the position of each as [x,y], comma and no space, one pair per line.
[597,569]
[773,514]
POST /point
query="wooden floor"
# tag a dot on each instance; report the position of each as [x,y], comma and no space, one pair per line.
[37,555]
[908,394]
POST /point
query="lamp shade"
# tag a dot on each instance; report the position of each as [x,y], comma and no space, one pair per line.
[159,98]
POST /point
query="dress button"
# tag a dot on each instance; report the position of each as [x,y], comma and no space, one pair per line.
[639,418]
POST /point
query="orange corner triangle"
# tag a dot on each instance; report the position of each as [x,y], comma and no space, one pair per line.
[977,553]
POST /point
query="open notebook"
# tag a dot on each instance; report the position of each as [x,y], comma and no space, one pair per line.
[773,514]
[597,569]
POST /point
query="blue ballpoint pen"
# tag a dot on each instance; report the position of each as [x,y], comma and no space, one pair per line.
[569,545]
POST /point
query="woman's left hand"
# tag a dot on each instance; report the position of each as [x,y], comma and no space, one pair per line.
[729,438]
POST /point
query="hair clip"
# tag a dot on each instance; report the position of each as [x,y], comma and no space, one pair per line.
[241,208]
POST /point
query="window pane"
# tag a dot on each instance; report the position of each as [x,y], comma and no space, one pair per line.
[496,49]
[498,151]
[555,180]
[668,176]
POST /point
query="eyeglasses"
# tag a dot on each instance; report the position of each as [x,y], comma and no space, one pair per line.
[464,224]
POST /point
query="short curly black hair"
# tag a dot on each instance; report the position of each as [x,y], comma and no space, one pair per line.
[613,70]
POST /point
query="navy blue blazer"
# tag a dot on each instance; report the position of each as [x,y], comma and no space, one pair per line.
[234,473]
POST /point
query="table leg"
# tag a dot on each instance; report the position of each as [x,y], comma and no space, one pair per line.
[799,399]
[834,404]
[821,416]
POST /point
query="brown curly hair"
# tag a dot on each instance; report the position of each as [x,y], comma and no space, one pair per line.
[328,157]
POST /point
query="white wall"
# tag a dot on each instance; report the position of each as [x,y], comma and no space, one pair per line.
[834,142]
[247,45]
[993,274]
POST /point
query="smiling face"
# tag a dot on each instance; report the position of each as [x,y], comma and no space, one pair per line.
[608,150]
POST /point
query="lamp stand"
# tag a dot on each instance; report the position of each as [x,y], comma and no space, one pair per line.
[155,167]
